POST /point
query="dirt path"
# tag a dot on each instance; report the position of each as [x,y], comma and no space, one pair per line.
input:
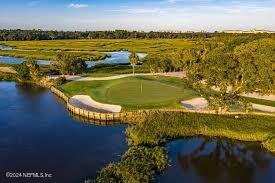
[202,104]
[7,70]
[80,78]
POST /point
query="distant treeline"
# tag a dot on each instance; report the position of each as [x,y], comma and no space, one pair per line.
[21,35]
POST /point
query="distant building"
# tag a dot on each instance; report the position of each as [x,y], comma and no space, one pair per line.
[255,31]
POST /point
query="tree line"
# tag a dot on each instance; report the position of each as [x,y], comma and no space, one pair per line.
[222,72]
[23,35]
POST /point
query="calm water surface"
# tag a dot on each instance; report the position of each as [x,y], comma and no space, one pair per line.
[204,160]
[116,57]
[14,60]
[38,135]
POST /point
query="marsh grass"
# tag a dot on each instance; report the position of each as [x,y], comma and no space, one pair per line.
[50,55]
[104,45]
[158,127]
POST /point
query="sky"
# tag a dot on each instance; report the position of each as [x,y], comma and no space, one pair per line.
[141,15]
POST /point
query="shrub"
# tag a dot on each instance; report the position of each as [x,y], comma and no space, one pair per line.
[138,165]
[60,80]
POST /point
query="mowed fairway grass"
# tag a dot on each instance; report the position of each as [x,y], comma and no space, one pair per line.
[140,92]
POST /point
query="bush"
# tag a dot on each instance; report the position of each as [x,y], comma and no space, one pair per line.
[60,80]
[7,77]
[138,165]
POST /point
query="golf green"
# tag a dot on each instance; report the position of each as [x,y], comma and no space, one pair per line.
[144,92]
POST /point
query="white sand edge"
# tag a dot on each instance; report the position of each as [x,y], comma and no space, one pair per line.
[85,100]
[195,103]
[201,103]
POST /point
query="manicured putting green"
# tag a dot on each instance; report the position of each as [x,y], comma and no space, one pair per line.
[142,91]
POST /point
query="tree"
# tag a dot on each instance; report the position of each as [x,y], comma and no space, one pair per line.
[28,70]
[23,73]
[256,60]
[34,70]
[134,59]
[246,70]
[68,63]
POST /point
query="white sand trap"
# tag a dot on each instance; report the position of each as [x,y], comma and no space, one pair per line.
[201,103]
[86,102]
[195,103]
[263,108]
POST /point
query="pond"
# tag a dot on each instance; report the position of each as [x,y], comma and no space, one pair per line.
[5,48]
[199,160]
[37,135]
[116,57]
[14,60]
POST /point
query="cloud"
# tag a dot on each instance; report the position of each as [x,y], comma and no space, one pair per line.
[77,6]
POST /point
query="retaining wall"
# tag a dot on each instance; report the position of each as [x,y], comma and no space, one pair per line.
[90,114]
[126,116]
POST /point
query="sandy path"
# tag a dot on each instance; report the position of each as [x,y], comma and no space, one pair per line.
[202,104]
[80,78]
[86,102]
[258,96]
[7,70]
[263,108]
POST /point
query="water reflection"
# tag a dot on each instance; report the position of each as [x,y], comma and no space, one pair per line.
[217,160]
[38,135]
[116,57]
[15,60]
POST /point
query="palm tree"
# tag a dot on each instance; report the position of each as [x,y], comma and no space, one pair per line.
[134,59]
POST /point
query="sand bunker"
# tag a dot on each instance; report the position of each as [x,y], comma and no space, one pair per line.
[195,104]
[202,104]
[86,102]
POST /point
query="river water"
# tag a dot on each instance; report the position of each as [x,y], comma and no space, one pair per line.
[37,135]
[116,57]
[206,160]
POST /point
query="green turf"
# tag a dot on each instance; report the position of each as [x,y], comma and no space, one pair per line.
[134,92]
